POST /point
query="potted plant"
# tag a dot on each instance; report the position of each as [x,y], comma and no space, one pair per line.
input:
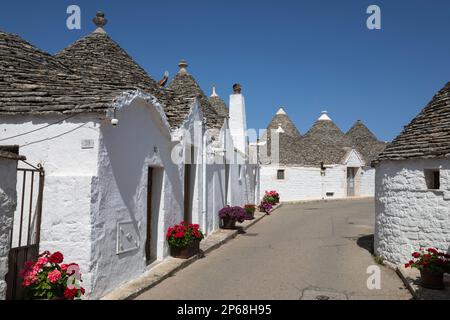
[250,210]
[49,279]
[184,240]
[230,215]
[265,207]
[272,197]
[432,265]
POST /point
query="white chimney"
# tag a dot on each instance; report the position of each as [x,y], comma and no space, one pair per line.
[238,123]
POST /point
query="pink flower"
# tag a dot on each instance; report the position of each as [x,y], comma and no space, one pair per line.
[54,276]
[41,261]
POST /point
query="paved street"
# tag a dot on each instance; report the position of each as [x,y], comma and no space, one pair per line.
[300,251]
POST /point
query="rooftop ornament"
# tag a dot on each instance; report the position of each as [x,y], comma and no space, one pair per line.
[100,21]
[183,65]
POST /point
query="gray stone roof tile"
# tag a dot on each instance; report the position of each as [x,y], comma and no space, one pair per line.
[427,135]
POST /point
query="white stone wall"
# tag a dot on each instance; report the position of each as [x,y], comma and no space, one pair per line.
[8,200]
[69,172]
[304,183]
[408,216]
[367,181]
[120,194]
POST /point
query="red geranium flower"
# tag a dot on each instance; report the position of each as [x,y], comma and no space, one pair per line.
[56,257]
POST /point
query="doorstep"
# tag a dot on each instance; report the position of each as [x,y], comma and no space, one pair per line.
[411,278]
[169,266]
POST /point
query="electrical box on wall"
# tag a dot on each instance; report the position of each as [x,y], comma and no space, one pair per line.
[127,237]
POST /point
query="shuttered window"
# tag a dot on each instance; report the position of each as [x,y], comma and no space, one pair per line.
[280,174]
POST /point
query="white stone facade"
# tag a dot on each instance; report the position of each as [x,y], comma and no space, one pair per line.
[408,215]
[96,184]
[8,202]
[310,183]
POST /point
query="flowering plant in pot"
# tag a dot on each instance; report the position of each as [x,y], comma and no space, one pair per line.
[272,197]
[250,210]
[265,206]
[184,240]
[49,279]
[230,215]
[432,264]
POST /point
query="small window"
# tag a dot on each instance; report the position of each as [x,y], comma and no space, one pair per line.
[280,174]
[432,177]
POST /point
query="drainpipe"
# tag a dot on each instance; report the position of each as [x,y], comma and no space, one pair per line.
[204,202]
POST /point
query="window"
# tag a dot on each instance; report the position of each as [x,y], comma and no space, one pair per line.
[432,178]
[280,174]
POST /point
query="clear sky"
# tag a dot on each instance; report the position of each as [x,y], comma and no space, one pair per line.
[307,56]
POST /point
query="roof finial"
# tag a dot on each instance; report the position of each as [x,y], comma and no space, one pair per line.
[183,65]
[281,111]
[100,21]
[325,116]
[214,94]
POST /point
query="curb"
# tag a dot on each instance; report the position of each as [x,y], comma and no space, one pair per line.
[171,266]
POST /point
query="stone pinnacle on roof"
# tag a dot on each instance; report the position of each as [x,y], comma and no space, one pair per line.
[214,94]
[324,116]
[100,21]
[183,66]
[281,111]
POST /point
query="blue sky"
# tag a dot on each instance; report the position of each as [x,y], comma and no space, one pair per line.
[308,56]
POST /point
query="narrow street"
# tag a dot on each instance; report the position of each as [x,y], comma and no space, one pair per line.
[302,251]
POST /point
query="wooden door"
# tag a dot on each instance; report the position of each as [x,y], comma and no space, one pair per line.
[148,251]
[351,182]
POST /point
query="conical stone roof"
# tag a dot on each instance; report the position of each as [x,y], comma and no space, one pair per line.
[365,141]
[87,76]
[218,104]
[185,85]
[282,120]
[427,135]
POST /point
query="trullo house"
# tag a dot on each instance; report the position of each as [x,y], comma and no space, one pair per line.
[324,163]
[124,156]
[412,196]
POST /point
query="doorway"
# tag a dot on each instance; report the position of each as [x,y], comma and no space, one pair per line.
[189,180]
[154,195]
[351,174]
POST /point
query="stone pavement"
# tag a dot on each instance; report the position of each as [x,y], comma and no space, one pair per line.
[317,250]
[162,270]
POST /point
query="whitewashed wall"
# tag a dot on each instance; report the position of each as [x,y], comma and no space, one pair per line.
[139,141]
[367,181]
[304,183]
[408,216]
[8,201]
[69,169]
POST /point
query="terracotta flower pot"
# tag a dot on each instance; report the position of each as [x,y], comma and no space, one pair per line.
[228,223]
[190,250]
[432,280]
